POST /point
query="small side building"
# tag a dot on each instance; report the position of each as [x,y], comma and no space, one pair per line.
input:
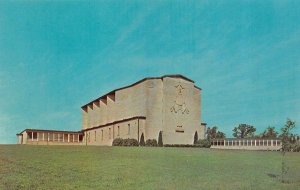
[247,144]
[50,137]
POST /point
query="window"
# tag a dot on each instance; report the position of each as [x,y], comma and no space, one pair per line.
[50,136]
[66,137]
[118,130]
[55,137]
[95,135]
[109,133]
[128,129]
[32,136]
[71,138]
[179,129]
[60,137]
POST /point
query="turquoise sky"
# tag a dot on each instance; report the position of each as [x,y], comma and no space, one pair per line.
[55,56]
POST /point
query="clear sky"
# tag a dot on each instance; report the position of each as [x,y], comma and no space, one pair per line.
[56,56]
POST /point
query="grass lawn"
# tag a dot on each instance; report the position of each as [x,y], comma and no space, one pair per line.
[81,167]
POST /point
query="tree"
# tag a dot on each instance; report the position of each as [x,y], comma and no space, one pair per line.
[142,140]
[286,134]
[211,132]
[243,131]
[196,138]
[214,133]
[160,141]
[220,135]
[269,133]
[286,145]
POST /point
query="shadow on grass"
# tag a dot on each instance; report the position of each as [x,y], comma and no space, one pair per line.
[272,175]
[286,181]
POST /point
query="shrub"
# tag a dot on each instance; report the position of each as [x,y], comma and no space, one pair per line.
[204,143]
[297,147]
[196,138]
[183,145]
[142,140]
[151,142]
[125,142]
[117,142]
[160,141]
[292,147]
[130,142]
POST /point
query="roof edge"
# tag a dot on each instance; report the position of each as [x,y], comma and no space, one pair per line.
[46,130]
[140,81]
[115,122]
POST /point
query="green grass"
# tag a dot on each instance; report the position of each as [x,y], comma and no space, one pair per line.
[80,167]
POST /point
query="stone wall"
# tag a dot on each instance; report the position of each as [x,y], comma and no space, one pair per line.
[123,129]
[170,104]
[181,111]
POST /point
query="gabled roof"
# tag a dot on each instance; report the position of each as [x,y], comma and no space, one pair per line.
[140,81]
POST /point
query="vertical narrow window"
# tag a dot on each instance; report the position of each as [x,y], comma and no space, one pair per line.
[109,133]
[102,134]
[35,136]
[128,129]
[95,135]
[118,130]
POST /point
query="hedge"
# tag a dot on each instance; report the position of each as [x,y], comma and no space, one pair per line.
[125,142]
[151,142]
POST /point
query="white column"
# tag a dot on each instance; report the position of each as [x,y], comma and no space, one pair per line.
[63,137]
[276,142]
[31,136]
[78,137]
[255,142]
[68,137]
[73,137]
[48,136]
[43,136]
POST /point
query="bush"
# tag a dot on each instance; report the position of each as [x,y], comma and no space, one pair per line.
[203,143]
[183,145]
[160,141]
[151,142]
[125,142]
[130,142]
[297,147]
[142,140]
[196,138]
[292,147]
[117,142]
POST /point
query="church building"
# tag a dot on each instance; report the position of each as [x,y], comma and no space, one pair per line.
[170,104]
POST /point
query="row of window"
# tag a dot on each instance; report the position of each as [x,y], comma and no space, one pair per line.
[247,143]
[109,133]
[57,137]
